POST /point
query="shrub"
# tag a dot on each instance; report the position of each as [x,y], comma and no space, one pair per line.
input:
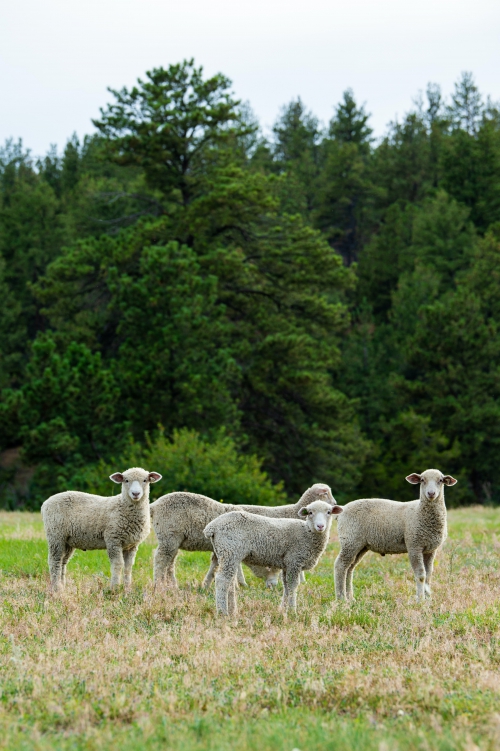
[191,462]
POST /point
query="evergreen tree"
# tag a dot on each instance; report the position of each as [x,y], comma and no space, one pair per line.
[350,123]
[345,192]
[65,415]
[170,125]
[295,152]
[466,106]
[177,268]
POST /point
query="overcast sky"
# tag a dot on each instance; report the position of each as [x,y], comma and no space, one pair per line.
[58,56]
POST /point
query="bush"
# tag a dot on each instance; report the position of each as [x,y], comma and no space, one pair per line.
[191,462]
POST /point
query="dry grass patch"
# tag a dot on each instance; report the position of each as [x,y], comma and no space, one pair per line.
[92,669]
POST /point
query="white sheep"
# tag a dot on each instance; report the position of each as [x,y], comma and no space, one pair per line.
[119,523]
[291,545]
[389,527]
[179,520]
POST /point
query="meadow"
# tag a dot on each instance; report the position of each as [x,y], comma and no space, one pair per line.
[93,669]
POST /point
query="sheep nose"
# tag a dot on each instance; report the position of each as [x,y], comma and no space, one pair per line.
[136,495]
[320,526]
[431,494]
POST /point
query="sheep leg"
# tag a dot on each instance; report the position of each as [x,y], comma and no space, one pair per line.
[164,562]
[231,596]
[211,572]
[417,564]
[57,551]
[348,582]
[67,555]
[240,576]
[284,598]
[345,559]
[129,558]
[225,580]
[115,555]
[291,578]
[302,578]
[429,566]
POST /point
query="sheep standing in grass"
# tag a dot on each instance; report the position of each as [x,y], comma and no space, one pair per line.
[389,527]
[92,522]
[291,545]
[180,518]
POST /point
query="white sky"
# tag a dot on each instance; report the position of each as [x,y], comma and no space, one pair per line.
[58,56]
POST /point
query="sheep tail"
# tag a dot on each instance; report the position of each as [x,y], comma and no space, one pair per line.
[208,531]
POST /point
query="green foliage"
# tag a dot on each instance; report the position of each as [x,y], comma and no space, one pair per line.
[241,330]
[410,440]
[329,300]
[346,193]
[65,414]
[170,124]
[453,370]
[345,197]
[12,332]
[211,467]
[296,157]
[30,230]
[350,124]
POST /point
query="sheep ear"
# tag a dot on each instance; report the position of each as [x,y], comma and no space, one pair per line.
[116,477]
[414,478]
[303,511]
[449,480]
[154,476]
[337,509]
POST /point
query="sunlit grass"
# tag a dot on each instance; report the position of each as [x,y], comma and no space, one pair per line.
[147,669]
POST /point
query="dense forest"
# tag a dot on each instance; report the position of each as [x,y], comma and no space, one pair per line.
[253,313]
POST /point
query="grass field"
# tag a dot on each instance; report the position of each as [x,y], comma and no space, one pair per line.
[91,669]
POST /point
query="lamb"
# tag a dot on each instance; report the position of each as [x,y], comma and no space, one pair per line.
[291,545]
[389,527]
[119,523]
[179,520]
[270,575]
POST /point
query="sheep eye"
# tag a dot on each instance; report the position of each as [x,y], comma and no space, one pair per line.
[145,480]
[126,480]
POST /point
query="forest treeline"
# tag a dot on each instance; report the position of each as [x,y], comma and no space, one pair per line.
[318,304]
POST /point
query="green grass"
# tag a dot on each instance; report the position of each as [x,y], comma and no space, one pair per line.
[145,669]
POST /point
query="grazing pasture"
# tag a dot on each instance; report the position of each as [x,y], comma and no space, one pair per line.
[92,669]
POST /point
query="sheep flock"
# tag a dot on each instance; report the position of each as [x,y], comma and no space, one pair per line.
[272,541]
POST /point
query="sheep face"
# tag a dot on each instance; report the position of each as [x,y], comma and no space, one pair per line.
[319,515]
[135,482]
[431,483]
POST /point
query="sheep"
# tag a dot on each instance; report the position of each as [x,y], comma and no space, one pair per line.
[179,520]
[389,527]
[291,545]
[119,523]
[270,575]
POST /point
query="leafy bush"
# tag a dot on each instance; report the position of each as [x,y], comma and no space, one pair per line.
[194,463]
